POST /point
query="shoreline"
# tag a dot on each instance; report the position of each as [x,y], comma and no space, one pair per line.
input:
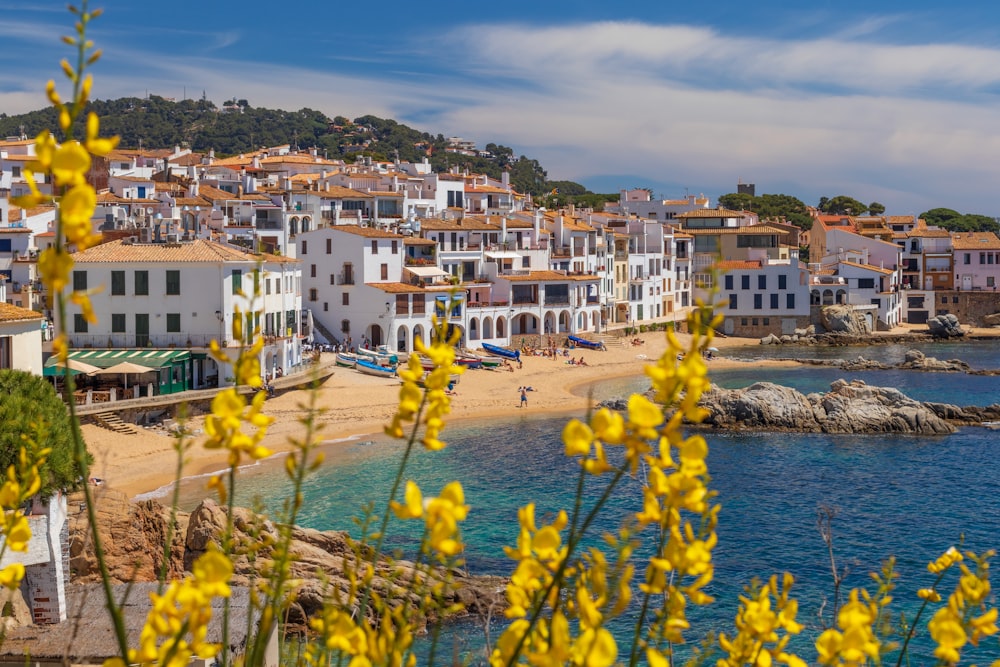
[356,407]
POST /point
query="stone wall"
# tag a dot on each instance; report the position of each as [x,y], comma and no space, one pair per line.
[758,327]
[969,307]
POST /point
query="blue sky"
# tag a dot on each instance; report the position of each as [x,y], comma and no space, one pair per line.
[883,101]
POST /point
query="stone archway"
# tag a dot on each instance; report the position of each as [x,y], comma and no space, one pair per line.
[402,339]
[474,328]
[828,297]
[841,296]
[487,328]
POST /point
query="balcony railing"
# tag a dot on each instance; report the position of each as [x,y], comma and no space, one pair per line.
[556,301]
[345,279]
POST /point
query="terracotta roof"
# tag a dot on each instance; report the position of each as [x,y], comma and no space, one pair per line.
[877,269]
[735,264]
[396,288]
[297,159]
[11,313]
[133,179]
[416,240]
[712,213]
[367,232]
[751,229]
[549,276]
[975,241]
[926,233]
[385,193]
[486,189]
[200,250]
[14,230]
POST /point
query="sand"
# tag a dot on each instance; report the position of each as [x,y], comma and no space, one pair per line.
[358,405]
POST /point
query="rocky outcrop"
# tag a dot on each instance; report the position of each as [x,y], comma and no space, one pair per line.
[842,319]
[945,326]
[992,320]
[847,408]
[918,361]
[133,535]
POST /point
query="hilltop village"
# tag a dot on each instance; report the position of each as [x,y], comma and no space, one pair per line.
[315,251]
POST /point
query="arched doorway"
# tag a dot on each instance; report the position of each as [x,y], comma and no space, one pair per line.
[828,297]
[487,328]
[474,329]
[418,334]
[402,339]
[375,335]
[841,296]
[501,327]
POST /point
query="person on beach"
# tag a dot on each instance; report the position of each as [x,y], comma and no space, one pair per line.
[524,397]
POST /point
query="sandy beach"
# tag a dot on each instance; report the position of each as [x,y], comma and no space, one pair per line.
[356,405]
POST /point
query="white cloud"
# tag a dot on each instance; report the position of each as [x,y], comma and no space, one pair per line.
[911,126]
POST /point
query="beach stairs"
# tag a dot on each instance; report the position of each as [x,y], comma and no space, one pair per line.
[610,340]
[113,422]
[324,332]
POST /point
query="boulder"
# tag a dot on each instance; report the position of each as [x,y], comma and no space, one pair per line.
[918,361]
[945,326]
[841,319]
[770,339]
[991,320]
[847,408]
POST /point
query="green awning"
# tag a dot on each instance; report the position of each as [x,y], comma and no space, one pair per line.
[108,358]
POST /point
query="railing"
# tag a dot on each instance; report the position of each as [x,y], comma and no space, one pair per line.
[420,261]
[345,279]
[486,304]
[530,301]
[556,301]
[129,340]
[621,255]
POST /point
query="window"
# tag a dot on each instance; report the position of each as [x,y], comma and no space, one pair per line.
[5,245]
[982,258]
[142,283]
[79,323]
[374,247]
[173,322]
[944,299]
[790,301]
[758,301]
[313,294]
[385,271]
[329,246]
[333,279]
[117,283]
[525,262]
[173,282]
[754,321]
[80,281]
[326,307]
[782,282]
[237,281]
[968,258]
[733,303]
[117,322]
[991,281]
[312,270]
[866,283]
[267,286]
[954,299]
[345,326]
[395,247]
[761,282]
[743,321]
[345,299]
[774,302]
[744,282]
[729,282]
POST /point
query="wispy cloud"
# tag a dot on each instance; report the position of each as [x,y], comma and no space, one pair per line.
[849,112]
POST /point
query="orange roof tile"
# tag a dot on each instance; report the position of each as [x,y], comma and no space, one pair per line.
[11,313]
[367,232]
[735,264]
[712,213]
[975,241]
[549,276]
[200,250]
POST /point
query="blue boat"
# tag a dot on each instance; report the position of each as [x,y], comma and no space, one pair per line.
[504,352]
[369,368]
[589,344]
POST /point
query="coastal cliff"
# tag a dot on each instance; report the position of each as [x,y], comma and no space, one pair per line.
[133,536]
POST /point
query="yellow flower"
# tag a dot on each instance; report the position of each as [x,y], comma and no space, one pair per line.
[577,438]
[11,576]
[70,164]
[947,631]
[17,531]
[212,572]
[413,507]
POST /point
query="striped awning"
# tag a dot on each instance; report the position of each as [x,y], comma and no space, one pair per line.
[108,358]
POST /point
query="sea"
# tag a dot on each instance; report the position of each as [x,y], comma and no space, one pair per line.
[902,496]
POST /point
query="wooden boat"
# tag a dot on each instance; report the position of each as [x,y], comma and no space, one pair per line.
[491,362]
[380,355]
[504,352]
[346,359]
[588,344]
[468,361]
[371,368]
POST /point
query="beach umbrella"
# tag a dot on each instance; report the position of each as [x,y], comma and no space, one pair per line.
[124,368]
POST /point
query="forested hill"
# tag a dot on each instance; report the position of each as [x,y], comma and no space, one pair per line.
[238,127]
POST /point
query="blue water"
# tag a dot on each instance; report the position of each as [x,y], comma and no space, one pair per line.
[904,496]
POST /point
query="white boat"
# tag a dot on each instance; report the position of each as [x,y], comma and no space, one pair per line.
[370,368]
[346,359]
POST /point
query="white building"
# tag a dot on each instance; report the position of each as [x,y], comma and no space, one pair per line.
[20,337]
[184,295]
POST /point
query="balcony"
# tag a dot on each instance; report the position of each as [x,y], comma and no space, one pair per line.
[345,279]
[420,261]
[556,301]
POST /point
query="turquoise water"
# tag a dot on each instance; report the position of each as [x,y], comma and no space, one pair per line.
[903,496]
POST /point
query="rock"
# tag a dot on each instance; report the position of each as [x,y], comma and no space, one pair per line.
[847,408]
[945,326]
[133,535]
[991,320]
[842,319]
[917,360]
[770,339]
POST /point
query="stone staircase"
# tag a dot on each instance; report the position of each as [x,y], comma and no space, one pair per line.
[113,422]
[611,340]
[324,332]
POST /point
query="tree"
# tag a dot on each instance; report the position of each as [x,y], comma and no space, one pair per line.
[737,201]
[31,407]
[953,221]
[843,205]
[876,208]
